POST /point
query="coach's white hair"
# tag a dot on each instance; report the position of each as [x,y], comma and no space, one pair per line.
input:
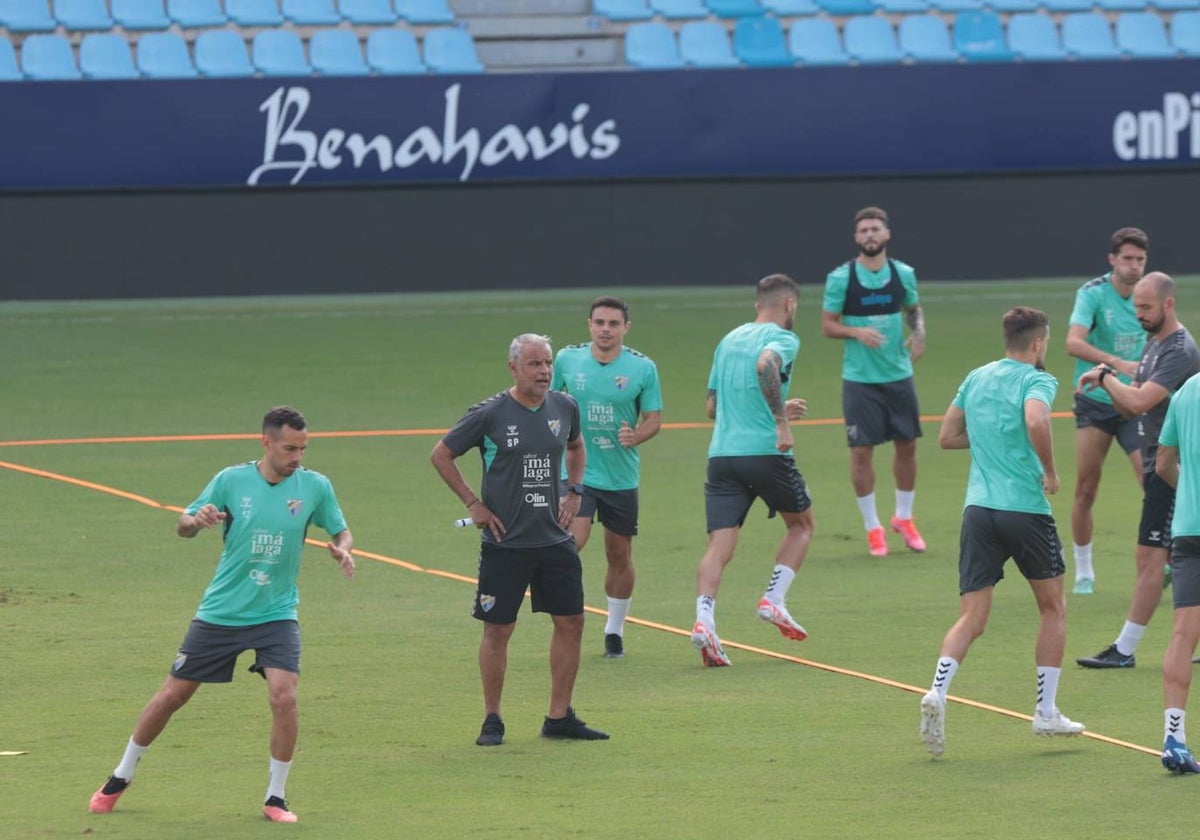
[514,349]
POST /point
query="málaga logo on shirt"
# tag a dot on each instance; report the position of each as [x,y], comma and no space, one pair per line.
[555,426]
[621,382]
[294,506]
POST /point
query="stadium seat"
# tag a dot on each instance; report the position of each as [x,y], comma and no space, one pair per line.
[106,55]
[336,52]
[140,14]
[759,42]
[840,8]
[1069,5]
[1185,32]
[979,36]
[734,8]
[368,12]
[904,7]
[27,16]
[705,43]
[9,71]
[1122,5]
[1013,6]
[393,52]
[164,55]
[792,8]
[680,9]
[926,38]
[451,50]
[815,41]
[48,58]
[1142,35]
[222,52]
[424,11]
[193,14]
[1087,35]
[871,40]
[311,12]
[254,12]
[624,9]
[1175,5]
[651,46]
[279,52]
[82,14]
[1034,37]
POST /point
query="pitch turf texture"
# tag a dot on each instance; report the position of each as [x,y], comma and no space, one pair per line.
[817,739]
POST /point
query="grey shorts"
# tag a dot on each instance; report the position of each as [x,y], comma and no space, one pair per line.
[1158,509]
[878,412]
[990,537]
[618,509]
[734,482]
[1185,571]
[1090,412]
[210,651]
[552,573]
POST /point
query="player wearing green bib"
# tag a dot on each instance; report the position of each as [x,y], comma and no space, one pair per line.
[620,403]
[1104,329]
[265,508]
[868,301]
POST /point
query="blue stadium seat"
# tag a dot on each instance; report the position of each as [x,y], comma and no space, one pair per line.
[48,58]
[651,46]
[1034,37]
[393,52]
[680,9]
[164,55]
[254,12]
[705,43]
[1185,32]
[424,11]
[368,12]
[734,8]
[624,9]
[311,12]
[1087,35]
[194,14]
[140,14]
[1122,5]
[926,38]
[1013,6]
[106,56]
[759,42]
[840,8]
[222,52]
[451,50]
[279,52]
[871,40]
[9,71]
[1069,5]
[336,52]
[82,14]
[951,6]
[904,7]
[27,16]
[792,8]
[816,41]
[979,36]
[1175,5]
[1142,35]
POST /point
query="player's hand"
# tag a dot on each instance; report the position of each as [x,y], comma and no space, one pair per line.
[795,408]
[783,437]
[344,558]
[1050,483]
[568,507]
[1124,367]
[483,517]
[868,336]
[1090,380]
[208,516]
[625,435]
[916,345]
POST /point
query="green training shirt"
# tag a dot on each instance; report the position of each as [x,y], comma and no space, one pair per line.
[1112,327]
[890,361]
[744,423]
[1181,429]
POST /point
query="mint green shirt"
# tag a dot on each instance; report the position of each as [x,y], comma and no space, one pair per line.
[745,425]
[1005,471]
[608,394]
[1181,429]
[265,525]
[1112,326]
[890,361]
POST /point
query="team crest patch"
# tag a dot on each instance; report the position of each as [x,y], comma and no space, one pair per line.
[180,659]
[486,602]
[555,425]
[852,431]
[294,506]
[621,382]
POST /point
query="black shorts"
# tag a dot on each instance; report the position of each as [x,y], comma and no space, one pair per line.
[734,482]
[552,573]
[989,537]
[210,651]
[1185,571]
[878,412]
[618,509]
[1158,507]
[1090,412]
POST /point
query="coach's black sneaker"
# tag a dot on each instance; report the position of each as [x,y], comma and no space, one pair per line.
[614,646]
[492,732]
[1110,657]
[571,727]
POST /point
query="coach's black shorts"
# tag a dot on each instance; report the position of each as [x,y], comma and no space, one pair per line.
[618,509]
[1158,507]
[210,651]
[734,482]
[1090,412]
[989,537]
[552,573]
[878,412]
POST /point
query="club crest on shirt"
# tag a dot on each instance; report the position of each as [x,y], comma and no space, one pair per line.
[486,602]
[294,506]
[555,426]
[180,659]
[621,382]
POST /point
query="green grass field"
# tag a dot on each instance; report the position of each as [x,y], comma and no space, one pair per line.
[813,740]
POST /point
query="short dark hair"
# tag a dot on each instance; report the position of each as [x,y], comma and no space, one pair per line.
[775,286]
[609,302]
[1129,236]
[280,416]
[871,213]
[1022,324]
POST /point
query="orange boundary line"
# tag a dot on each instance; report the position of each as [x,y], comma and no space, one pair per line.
[666,628]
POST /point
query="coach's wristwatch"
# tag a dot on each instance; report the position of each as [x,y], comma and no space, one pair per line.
[577,489]
[1105,370]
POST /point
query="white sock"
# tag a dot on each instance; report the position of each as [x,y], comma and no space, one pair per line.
[618,608]
[1047,689]
[1131,635]
[866,506]
[781,579]
[277,779]
[128,765]
[1083,562]
[904,503]
[706,606]
[947,667]
[1173,725]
